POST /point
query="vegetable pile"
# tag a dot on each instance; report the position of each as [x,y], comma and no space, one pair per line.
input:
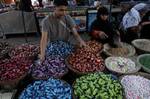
[136,87]
[51,67]
[13,68]
[50,89]
[97,86]
[59,48]
[120,64]
[84,61]
[25,50]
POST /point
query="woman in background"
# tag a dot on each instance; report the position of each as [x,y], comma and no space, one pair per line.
[102,30]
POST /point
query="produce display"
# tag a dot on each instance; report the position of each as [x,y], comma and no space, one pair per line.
[120,64]
[118,51]
[25,50]
[146,47]
[97,86]
[59,48]
[13,68]
[95,47]
[136,87]
[50,89]
[143,44]
[124,49]
[145,61]
[4,49]
[51,67]
[85,61]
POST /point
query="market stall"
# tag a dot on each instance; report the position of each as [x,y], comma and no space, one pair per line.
[71,71]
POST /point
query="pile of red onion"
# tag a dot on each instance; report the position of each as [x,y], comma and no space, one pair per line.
[13,68]
[25,50]
[86,61]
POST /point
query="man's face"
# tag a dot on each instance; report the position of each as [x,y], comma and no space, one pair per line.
[61,10]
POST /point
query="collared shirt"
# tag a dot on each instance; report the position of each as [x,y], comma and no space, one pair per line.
[131,18]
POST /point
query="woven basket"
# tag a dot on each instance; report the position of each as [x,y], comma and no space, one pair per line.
[113,77]
[138,61]
[79,73]
[64,83]
[142,46]
[145,75]
[138,66]
[11,84]
[130,49]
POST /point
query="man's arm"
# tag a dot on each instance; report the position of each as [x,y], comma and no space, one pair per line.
[77,36]
[43,44]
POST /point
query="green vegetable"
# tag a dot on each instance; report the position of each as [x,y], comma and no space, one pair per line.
[97,86]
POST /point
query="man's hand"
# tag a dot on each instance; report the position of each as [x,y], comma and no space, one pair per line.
[82,44]
[42,58]
[102,35]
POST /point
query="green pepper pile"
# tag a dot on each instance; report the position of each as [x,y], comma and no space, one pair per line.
[97,86]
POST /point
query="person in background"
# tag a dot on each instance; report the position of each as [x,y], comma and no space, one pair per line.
[97,4]
[102,30]
[26,5]
[58,26]
[145,31]
[132,22]
[40,3]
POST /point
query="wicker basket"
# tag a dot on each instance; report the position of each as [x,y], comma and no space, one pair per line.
[64,83]
[142,45]
[113,77]
[78,73]
[130,49]
[138,66]
[145,75]
[11,84]
[138,61]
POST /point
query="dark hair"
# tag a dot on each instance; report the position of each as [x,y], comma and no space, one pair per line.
[60,3]
[102,11]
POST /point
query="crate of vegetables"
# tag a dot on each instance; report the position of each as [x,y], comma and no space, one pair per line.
[124,50]
[136,86]
[97,86]
[144,61]
[122,65]
[47,89]
[50,67]
[82,62]
[12,71]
